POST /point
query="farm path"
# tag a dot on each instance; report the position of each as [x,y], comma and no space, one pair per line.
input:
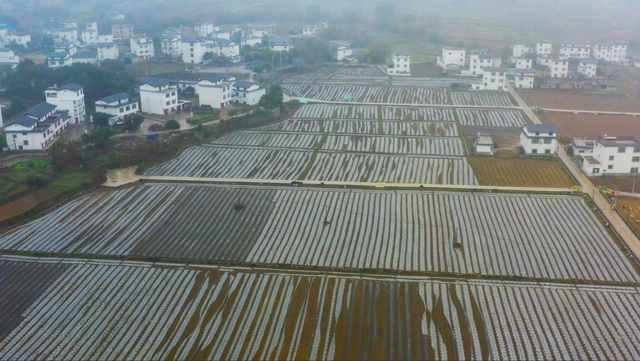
[135,178]
[576,111]
[613,218]
[317,101]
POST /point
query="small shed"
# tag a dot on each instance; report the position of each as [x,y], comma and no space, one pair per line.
[484,144]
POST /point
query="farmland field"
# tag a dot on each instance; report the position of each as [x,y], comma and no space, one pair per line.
[498,99]
[629,208]
[372,94]
[520,172]
[111,310]
[554,99]
[505,235]
[366,127]
[591,125]
[373,112]
[492,118]
[360,71]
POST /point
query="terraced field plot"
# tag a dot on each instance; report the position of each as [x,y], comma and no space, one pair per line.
[521,173]
[393,145]
[497,99]
[112,310]
[492,118]
[360,71]
[371,94]
[506,235]
[373,112]
[366,127]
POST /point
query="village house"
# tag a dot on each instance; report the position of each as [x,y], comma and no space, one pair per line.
[261,30]
[248,93]
[400,65]
[90,34]
[158,96]
[341,51]
[613,155]
[582,147]
[544,60]
[65,46]
[588,67]
[182,85]
[525,78]
[280,44]
[108,51]
[452,58]
[483,144]
[251,41]
[68,97]
[559,68]
[119,107]
[575,50]
[493,79]
[59,59]
[216,91]
[17,37]
[309,30]
[65,34]
[122,31]
[524,63]
[614,52]
[221,34]
[193,51]
[8,57]
[37,128]
[205,29]
[539,139]
[171,45]
[86,57]
[544,47]
[478,60]
[142,47]
[223,47]
[521,50]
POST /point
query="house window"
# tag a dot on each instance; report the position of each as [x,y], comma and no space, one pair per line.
[26,142]
[611,157]
[610,166]
[634,170]
[635,159]
[547,141]
[622,149]
[534,151]
[547,151]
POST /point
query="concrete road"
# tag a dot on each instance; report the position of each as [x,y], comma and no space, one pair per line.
[572,111]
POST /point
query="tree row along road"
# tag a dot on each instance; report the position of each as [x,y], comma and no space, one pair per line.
[612,217]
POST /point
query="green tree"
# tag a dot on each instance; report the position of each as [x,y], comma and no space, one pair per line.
[100,138]
[16,105]
[101,119]
[35,181]
[46,41]
[209,55]
[65,155]
[133,122]
[273,99]
[172,125]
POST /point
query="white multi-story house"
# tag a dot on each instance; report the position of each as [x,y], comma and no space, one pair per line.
[69,23]
[8,57]
[493,79]
[525,78]
[280,44]
[221,34]
[588,67]
[400,64]
[544,47]
[544,60]
[223,47]
[205,29]
[158,96]
[86,57]
[615,52]
[59,59]
[118,106]
[252,41]
[193,51]
[613,155]
[540,139]
[37,128]
[246,92]
[17,37]
[105,38]
[602,51]
[66,34]
[142,47]
[309,30]
[478,60]
[171,45]
[452,57]
[521,50]
[575,50]
[524,63]
[65,46]
[558,68]
[69,97]
[108,51]
[90,34]
[122,31]
[262,30]
[340,52]
[216,90]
